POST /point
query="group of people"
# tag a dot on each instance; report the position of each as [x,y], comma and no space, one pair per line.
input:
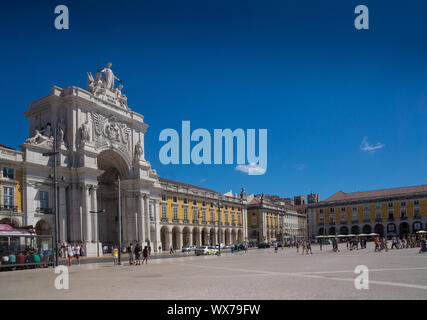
[406,242]
[31,257]
[72,251]
[135,253]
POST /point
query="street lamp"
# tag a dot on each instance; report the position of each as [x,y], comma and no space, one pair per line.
[55,186]
[97,233]
[119,216]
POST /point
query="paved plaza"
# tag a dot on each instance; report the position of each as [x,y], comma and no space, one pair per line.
[258,274]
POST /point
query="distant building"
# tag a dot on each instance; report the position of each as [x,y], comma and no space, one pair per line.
[313,198]
[396,211]
[299,200]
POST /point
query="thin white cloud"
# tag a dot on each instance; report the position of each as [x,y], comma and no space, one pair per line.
[366,147]
[251,169]
[300,167]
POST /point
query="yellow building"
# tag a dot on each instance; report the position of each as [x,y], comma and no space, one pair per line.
[272,221]
[11,206]
[189,216]
[396,211]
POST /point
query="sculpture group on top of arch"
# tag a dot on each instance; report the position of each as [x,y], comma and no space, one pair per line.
[104,85]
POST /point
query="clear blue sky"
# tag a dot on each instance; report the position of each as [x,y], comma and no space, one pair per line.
[297,68]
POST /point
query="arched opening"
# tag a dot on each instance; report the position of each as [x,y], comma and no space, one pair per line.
[343,230]
[379,228]
[164,238]
[332,231]
[321,231]
[403,229]
[233,236]
[113,165]
[254,236]
[391,229]
[14,223]
[227,236]
[43,228]
[240,236]
[417,226]
[367,229]
[205,237]
[175,238]
[186,232]
[355,230]
[196,237]
[212,237]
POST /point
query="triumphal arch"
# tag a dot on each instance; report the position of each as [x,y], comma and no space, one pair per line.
[99,139]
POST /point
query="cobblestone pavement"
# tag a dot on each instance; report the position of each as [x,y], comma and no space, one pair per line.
[258,274]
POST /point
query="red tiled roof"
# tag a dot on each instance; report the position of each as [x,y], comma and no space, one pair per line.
[340,195]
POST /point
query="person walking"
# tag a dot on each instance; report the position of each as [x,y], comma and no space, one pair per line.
[309,247]
[130,251]
[138,252]
[246,247]
[171,250]
[70,255]
[377,244]
[297,245]
[393,243]
[116,255]
[145,253]
[232,250]
[276,247]
[77,253]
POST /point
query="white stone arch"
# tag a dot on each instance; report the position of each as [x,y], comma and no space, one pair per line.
[165,237]
[43,228]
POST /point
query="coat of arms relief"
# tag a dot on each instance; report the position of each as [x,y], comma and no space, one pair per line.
[108,132]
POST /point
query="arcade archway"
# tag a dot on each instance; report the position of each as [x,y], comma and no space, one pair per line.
[113,165]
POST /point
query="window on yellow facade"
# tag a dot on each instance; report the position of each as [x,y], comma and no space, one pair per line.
[416,202]
[366,216]
[417,213]
[195,217]
[164,212]
[185,214]
[175,213]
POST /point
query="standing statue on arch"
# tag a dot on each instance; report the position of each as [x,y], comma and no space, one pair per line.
[109,76]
